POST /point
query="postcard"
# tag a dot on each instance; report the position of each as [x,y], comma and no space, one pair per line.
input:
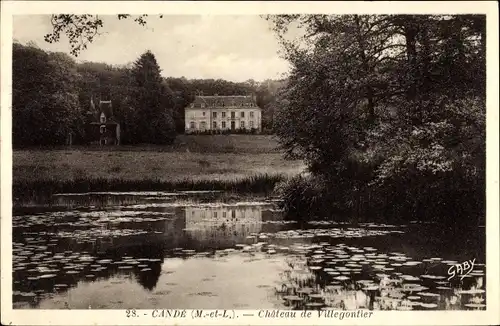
[249,163]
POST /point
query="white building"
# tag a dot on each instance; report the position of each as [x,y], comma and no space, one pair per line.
[223,113]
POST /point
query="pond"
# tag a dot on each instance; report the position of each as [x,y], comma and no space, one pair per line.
[193,250]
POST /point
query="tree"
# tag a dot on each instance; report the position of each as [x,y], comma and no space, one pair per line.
[45,105]
[152,102]
[183,96]
[266,97]
[379,109]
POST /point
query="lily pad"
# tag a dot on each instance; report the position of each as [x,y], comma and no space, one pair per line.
[428,294]
[475,305]
[342,278]
[292,298]
[471,291]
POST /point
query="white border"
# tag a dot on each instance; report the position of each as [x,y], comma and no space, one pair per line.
[113,317]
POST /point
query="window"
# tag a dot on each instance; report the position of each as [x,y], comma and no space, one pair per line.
[191,125]
[203,125]
[251,114]
[203,105]
[242,124]
[223,114]
[223,124]
[251,124]
[214,114]
[103,129]
[215,214]
[223,214]
[233,115]
[233,214]
[203,113]
[243,114]
[214,125]
[103,118]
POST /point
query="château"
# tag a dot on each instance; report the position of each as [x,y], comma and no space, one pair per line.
[223,114]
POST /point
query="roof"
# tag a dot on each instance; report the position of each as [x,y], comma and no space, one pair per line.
[107,108]
[222,101]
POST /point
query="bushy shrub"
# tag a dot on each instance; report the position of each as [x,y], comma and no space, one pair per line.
[307,197]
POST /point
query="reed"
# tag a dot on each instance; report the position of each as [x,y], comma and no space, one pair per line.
[26,189]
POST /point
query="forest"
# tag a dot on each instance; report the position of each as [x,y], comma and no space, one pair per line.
[52,93]
[388,112]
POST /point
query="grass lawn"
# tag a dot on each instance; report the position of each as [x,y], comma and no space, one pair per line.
[217,161]
[63,165]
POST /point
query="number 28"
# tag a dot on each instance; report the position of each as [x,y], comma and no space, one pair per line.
[131,313]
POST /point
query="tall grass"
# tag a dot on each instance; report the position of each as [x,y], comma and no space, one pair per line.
[233,143]
[28,189]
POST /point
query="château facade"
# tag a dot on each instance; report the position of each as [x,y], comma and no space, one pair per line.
[223,113]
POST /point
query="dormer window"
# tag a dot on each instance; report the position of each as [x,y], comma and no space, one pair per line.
[103,118]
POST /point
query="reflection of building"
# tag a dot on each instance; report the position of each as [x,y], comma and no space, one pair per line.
[224,213]
[223,223]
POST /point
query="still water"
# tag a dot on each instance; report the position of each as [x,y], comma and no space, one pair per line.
[196,250]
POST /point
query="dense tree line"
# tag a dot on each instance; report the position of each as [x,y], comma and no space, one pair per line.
[52,95]
[388,112]
[45,103]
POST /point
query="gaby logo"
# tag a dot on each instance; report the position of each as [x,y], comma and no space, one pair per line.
[461,269]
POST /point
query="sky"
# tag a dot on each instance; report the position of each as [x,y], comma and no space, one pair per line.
[235,48]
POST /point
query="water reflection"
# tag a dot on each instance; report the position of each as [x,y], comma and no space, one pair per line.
[56,250]
[191,251]
[347,277]
[222,225]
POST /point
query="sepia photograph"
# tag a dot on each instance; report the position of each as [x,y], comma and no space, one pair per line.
[275,163]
